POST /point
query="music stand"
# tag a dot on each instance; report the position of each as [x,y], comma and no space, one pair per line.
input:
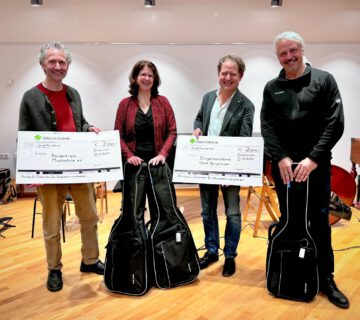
[4,225]
[355,159]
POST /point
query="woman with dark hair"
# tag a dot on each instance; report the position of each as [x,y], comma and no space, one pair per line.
[145,120]
[161,251]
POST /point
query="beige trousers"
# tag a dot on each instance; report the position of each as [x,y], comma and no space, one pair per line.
[52,197]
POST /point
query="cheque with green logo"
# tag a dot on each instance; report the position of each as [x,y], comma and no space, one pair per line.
[219,160]
[68,157]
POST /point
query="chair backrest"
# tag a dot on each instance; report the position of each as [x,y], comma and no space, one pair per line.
[355,150]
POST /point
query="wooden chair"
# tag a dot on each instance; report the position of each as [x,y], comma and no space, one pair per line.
[35,212]
[101,193]
[249,205]
[344,186]
[267,197]
[66,207]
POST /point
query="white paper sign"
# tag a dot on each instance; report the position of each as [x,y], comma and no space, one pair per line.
[68,157]
[219,160]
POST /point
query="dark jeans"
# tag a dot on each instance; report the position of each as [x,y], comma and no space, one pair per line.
[318,214]
[209,200]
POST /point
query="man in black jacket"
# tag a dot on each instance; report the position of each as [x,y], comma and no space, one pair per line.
[54,106]
[301,121]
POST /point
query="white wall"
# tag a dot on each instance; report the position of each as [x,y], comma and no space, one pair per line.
[186,21]
[100,73]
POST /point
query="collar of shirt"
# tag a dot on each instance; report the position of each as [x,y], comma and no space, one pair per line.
[218,114]
[228,101]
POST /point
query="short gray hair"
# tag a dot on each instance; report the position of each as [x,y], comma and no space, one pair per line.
[289,35]
[57,46]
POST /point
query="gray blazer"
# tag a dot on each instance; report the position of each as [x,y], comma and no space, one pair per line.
[238,120]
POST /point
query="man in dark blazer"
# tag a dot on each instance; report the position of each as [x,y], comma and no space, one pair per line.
[223,112]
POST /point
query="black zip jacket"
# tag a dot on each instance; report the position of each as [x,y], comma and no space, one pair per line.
[302,117]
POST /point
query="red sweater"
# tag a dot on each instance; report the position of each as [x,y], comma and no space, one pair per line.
[165,132]
[64,115]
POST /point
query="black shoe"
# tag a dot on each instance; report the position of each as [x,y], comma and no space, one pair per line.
[54,282]
[97,267]
[207,259]
[229,267]
[329,288]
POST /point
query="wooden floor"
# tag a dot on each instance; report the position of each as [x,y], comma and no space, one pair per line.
[23,274]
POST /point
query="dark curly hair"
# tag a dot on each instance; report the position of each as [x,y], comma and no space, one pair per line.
[134,87]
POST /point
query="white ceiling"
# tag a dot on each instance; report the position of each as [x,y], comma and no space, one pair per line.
[178,21]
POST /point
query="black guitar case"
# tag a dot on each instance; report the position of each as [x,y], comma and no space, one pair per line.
[127,251]
[175,257]
[163,251]
[291,264]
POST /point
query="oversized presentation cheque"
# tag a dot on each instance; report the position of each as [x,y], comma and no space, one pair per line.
[68,157]
[219,160]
